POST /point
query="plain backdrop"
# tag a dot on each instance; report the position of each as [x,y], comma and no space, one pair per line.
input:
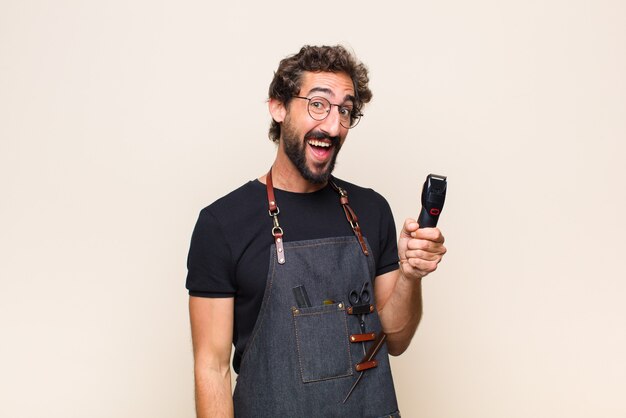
[120,120]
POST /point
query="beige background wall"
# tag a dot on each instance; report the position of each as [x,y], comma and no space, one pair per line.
[120,120]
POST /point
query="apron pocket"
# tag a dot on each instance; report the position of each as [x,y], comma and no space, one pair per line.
[322,342]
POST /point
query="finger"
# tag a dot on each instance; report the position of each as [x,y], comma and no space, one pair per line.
[425,245]
[430,234]
[424,255]
[420,244]
[422,266]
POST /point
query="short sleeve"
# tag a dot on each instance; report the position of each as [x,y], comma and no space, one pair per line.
[210,270]
[388,260]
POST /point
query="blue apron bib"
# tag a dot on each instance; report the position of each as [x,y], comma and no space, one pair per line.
[300,361]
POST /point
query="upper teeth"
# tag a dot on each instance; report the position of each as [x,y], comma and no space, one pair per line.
[318,143]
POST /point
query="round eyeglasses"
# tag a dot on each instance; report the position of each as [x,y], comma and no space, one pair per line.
[319,108]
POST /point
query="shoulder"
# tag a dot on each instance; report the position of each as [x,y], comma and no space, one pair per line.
[238,203]
[233,221]
[364,196]
[234,214]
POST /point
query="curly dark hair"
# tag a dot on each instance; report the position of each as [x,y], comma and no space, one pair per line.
[288,78]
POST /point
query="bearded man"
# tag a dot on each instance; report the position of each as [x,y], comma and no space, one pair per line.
[301,271]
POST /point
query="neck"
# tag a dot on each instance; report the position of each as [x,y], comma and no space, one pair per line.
[286,176]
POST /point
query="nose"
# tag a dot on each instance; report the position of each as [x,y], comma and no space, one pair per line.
[331,124]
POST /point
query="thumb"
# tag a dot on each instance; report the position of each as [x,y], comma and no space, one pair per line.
[410,226]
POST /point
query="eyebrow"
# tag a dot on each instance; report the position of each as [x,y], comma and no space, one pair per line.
[348,97]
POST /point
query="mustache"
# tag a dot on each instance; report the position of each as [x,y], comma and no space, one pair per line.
[322,135]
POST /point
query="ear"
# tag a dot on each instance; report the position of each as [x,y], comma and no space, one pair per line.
[277,110]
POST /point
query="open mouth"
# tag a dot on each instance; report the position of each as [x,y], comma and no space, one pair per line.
[320,148]
[319,143]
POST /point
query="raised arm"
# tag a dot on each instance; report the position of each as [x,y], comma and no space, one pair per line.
[399,292]
[212,335]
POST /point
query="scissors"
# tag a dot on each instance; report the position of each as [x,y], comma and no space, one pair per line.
[359,299]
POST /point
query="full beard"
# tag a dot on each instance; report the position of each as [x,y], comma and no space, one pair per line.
[296,151]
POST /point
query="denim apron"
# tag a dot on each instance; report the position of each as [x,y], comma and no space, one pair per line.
[300,361]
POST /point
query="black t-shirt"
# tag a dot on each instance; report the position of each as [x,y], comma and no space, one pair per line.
[230,246]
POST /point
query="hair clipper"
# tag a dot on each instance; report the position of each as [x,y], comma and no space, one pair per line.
[433,197]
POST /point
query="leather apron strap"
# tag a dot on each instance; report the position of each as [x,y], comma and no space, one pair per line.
[350,215]
[277,231]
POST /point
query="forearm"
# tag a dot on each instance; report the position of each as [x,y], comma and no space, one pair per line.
[213,393]
[211,331]
[399,293]
[401,313]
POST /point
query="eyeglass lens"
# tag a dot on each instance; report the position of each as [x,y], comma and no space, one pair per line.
[319,109]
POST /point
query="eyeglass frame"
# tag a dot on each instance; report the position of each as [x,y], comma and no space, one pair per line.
[356,115]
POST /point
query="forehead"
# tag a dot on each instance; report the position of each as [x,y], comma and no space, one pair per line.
[334,85]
